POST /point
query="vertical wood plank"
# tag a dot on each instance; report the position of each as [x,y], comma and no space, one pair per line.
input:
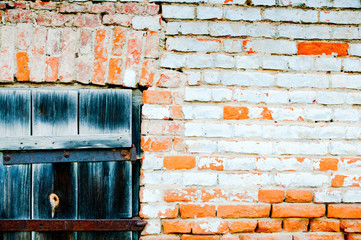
[105,188]
[55,114]
[15,180]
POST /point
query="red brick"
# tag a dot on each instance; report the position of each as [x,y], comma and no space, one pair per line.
[134,50]
[177,226]
[73,8]
[102,8]
[52,19]
[180,195]
[156,144]
[115,71]
[298,210]
[210,227]
[197,210]
[18,16]
[157,97]
[295,225]
[269,225]
[152,9]
[100,57]
[87,20]
[22,63]
[147,73]
[119,39]
[52,69]
[235,113]
[243,211]
[169,79]
[351,226]
[44,5]
[325,225]
[320,48]
[271,195]
[243,226]
[67,62]
[179,162]
[298,196]
[116,19]
[151,44]
[344,211]
[131,8]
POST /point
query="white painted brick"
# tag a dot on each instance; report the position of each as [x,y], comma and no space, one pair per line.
[353,98]
[327,196]
[318,114]
[300,179]
[53,41]
[247,130]
[248,62]
[240,195]
[242,164]
[351,196]
[217,130]
[353,133]
[304,132]
[160,177]
[209,12]
[351,64]
[221,94]
[354,49]
[193,78]
[278,132]
[233,46]
[290,31]
[302,96]
[347,3]
[211,77]
[151,111]
[319,3]
[248,14]
[301,63]
[286,114]
[328,64]
[304,148]
[291,80]
[224,61]
[197,94]
[202,112]
[275,96]
[246,95]
[345,32]
[199,61]
[248,78]
[193,130]
[201,146]
[346,115]
[330,97]
[283,164]
[245,179]
[153,227]
[146,22]
[350,164]
[237,2]
[264,2]
[345,148]
[192,45]
[294,3]
[317,32]
[228,29]
[346,81]
[172,60]
[156,210]
[199,178]
[261,29]
[150,161]
[340,17]
[271,46]
[172,28]
[290,15]
[330,132]
[177,11]
[245,147]
[151,195]
[193,28]
[275,62]
[208,162]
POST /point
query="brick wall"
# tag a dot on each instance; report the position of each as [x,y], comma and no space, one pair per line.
[251,117]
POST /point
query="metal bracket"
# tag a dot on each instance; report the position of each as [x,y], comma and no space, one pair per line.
[62,156]
[72,225]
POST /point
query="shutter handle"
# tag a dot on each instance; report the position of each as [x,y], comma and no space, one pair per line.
[54,202]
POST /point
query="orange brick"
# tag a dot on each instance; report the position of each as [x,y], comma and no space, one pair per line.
[213,163]
[344,211]
[179,162]
[22,63]
[147,74]
[268,226]
[210,227]
[353,237]
[52,69]
[328,164]
[177,226]
[266,113]
[325,225]
[115,71]
[160,238]
[320,48]
[155,144]
[295,225]
[338,180]
[119,39]
[243,226]
[189,237]
[318,237]
[158,211]
[271,195]
[243,211]
[180,195]
[298,196]
[176,112]
[178,144]
[298,210]
[197,210]
[235,113]
[100,56]
[157,97]
[351,226]
[213,195]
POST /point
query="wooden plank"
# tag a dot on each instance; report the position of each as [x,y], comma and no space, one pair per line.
[65,142]
[54,185]
[105,189]
[15,180]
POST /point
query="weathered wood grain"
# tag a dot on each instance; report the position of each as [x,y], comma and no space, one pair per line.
[15,180]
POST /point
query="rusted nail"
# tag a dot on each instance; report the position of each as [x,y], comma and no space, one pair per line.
[66,154]
[140,223]
[7,157]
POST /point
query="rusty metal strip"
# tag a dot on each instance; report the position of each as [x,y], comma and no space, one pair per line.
[61,156]
[71,225]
